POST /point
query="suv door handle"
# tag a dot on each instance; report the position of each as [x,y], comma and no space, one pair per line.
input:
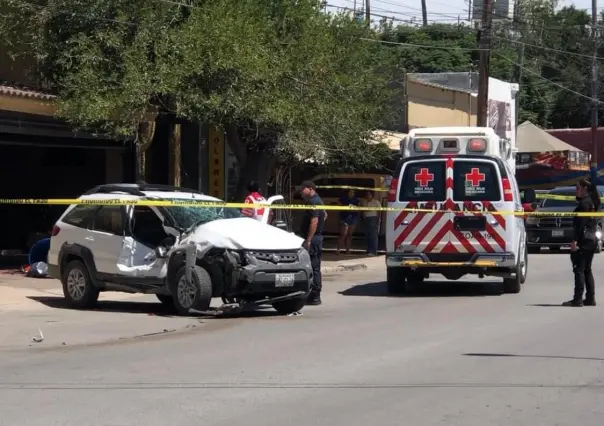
[89,239]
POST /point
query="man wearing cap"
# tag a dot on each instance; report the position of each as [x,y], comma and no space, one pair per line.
[312,232]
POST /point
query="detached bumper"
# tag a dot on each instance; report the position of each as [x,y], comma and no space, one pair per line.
[503,260]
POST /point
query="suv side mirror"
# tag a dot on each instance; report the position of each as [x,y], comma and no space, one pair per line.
[529,196]
[281,225]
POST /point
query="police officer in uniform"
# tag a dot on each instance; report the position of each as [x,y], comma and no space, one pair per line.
[584,244]
[312,231]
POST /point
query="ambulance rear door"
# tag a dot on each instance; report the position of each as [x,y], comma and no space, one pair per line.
[480,189]
[419,184]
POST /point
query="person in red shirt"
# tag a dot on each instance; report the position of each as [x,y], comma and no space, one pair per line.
[253,197]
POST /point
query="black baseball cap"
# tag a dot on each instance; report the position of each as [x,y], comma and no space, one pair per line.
[308,184]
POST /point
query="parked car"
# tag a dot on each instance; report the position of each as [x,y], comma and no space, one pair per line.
[184,255]
[556,232]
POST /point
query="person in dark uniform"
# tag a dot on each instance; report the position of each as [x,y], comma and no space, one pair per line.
[312,231]
[584,244]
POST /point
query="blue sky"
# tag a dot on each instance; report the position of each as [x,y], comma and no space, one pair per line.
[438,10]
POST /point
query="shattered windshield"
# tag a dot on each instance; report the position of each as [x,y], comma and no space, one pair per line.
[187,216]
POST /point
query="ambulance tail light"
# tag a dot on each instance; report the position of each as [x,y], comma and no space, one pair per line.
[477,145]
[507,190]
[422,145]
[392,191]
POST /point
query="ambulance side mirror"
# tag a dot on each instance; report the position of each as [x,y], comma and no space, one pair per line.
[530,196]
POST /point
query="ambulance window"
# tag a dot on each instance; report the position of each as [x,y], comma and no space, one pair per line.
[475,181]
[423,181]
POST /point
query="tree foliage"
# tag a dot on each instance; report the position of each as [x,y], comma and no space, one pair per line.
[553,43]
[283,78]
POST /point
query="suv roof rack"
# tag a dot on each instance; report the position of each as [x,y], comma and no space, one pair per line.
[137,189]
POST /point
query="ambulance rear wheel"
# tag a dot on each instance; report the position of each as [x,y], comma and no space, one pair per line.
[513,285]
[396,280]
[415,278]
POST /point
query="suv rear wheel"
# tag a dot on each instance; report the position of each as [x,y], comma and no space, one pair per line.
[194,295]
[78,289]
[396,280]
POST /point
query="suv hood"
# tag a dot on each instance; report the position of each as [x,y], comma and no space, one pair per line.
[243,234]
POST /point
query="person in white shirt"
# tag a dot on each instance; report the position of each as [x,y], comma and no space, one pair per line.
[372,224]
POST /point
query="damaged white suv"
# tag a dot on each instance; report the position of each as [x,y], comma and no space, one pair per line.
[185,255]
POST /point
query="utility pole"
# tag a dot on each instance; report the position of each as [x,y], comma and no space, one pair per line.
[519,29]
[424,13]
[368,12]
[483,66]
[594,92]
[469,10]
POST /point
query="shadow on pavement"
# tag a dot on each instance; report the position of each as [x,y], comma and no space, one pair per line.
[148,308]
[429,289]
[495,355]
[109,306]
[547,305]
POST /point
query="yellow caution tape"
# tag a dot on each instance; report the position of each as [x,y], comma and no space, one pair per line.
[221,204]
[558,197]
[361,188]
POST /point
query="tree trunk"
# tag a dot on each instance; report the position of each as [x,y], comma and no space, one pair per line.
[257,167]
[145,134]
[175,155]
[255,156]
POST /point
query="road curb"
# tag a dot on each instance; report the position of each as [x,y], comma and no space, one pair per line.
[344,268]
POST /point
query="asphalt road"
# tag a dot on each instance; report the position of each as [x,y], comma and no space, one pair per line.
[454,354]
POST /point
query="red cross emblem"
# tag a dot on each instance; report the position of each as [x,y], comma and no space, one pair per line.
[424,177]
[475,177]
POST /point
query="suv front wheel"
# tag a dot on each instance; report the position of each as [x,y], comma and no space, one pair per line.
[194,295]
[78,289]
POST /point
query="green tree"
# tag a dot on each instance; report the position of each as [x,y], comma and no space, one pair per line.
[284,79]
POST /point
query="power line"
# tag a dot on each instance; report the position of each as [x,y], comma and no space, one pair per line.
[423,46]
[536,74]
[551,49]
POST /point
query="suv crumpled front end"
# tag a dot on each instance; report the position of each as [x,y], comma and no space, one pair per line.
[246,259]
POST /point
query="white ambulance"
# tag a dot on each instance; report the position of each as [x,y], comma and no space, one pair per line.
[462,175]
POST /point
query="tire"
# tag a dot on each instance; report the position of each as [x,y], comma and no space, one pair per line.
[524,273]
[415,278]
[78,289]
[396,281]
[290,306]
[514,285]
[198,296]
[165,299]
